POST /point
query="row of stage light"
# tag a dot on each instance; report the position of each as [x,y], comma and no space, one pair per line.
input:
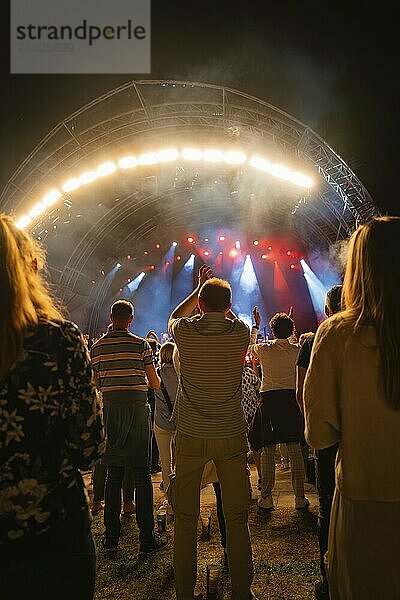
[168,155]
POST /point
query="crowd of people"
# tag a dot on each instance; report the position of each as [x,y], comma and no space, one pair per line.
[65,410]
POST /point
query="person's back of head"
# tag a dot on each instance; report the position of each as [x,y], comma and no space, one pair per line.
[215,295]
[166,353]
[121,314]
[153,345]
[333,303]
[25,299]
[282,326]
[371,292]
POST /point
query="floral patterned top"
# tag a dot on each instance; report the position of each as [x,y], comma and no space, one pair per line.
[50,427]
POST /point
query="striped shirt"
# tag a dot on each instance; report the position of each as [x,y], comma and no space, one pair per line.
[119,359]
[211,354]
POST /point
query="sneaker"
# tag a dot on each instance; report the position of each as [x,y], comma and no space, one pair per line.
[160,542]
[301,502]
[97,507]
[265,503]
[321,590]
[128,509]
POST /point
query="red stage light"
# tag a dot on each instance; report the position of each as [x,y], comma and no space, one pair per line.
[190,240]
[103,273]
[292,266]
[152,267]
[178,258]
[128,280]
[221,238]
[206,239]
[288,253]
[157,246]
[270,248]
[206,253]
[145,253]
[233,253]
[221,252]
[256,242]
[93,281]
[129,257]
[264,256]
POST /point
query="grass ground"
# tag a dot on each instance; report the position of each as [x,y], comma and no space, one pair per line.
[285,559]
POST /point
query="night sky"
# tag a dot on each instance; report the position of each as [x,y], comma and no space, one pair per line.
[335,69]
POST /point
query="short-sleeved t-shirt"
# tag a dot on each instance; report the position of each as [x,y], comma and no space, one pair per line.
[211,353]
[119,360]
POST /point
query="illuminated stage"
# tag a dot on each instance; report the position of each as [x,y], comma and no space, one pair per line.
[153,162]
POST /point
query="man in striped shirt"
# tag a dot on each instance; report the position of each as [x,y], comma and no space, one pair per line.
[210,426]
[124,369]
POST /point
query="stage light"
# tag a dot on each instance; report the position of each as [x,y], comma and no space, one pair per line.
[148,158]
[37,210]
[145,253]
[280,171]
[157,246]
[192,154]
[93,281]
[234,157]
[190,240]
[302,180]
[292,266]
[70,185]
[23,222]
[152,267]
[174,244]
[264,256]
[103,272]
[270,248]
[128,256]
[206,253]
[288,253]
[220,252]
[213,155]
[256,242]
[178,258]
[221,238]
[206,239]
[233,253]
[118,265]
[237,245]
[106,169]
[260,163]
[88,177]
[168,155]
[128,162]
[51,197]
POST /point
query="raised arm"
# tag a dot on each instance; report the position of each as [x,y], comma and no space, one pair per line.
[185,308]
[253,347]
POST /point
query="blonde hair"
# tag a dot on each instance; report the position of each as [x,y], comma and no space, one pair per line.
[371,292]
[24,298]
[166,353]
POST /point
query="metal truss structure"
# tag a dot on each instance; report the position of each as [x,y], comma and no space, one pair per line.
[138,114]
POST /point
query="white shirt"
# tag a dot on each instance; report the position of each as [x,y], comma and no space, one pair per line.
[278,363]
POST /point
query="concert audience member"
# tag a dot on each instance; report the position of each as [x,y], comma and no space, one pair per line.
[124,369]
[164,427]
[325,458]
[51,428]
[282,421]
[210,426]
[352,398]
[151,399]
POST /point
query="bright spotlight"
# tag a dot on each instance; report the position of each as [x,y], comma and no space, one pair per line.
[190,240]
[260,163]
[237,245]
[234,157]
[192,154]
[264,256]
[233,253]
[221,238]
[213,156]
[128,162]
[302,180]
[37,210]
[280,171]
[118,265]
[206,253]
[51,197]
[174,244]
[106,169]
[88,177]
[168,155]
[23,222]
[256,242]
[148,158]
[70,185]
[189,264]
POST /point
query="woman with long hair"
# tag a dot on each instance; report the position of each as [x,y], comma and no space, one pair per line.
[50,427]
[352,397]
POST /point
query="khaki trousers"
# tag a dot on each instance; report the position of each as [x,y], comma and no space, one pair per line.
[229,457]
[165,443]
